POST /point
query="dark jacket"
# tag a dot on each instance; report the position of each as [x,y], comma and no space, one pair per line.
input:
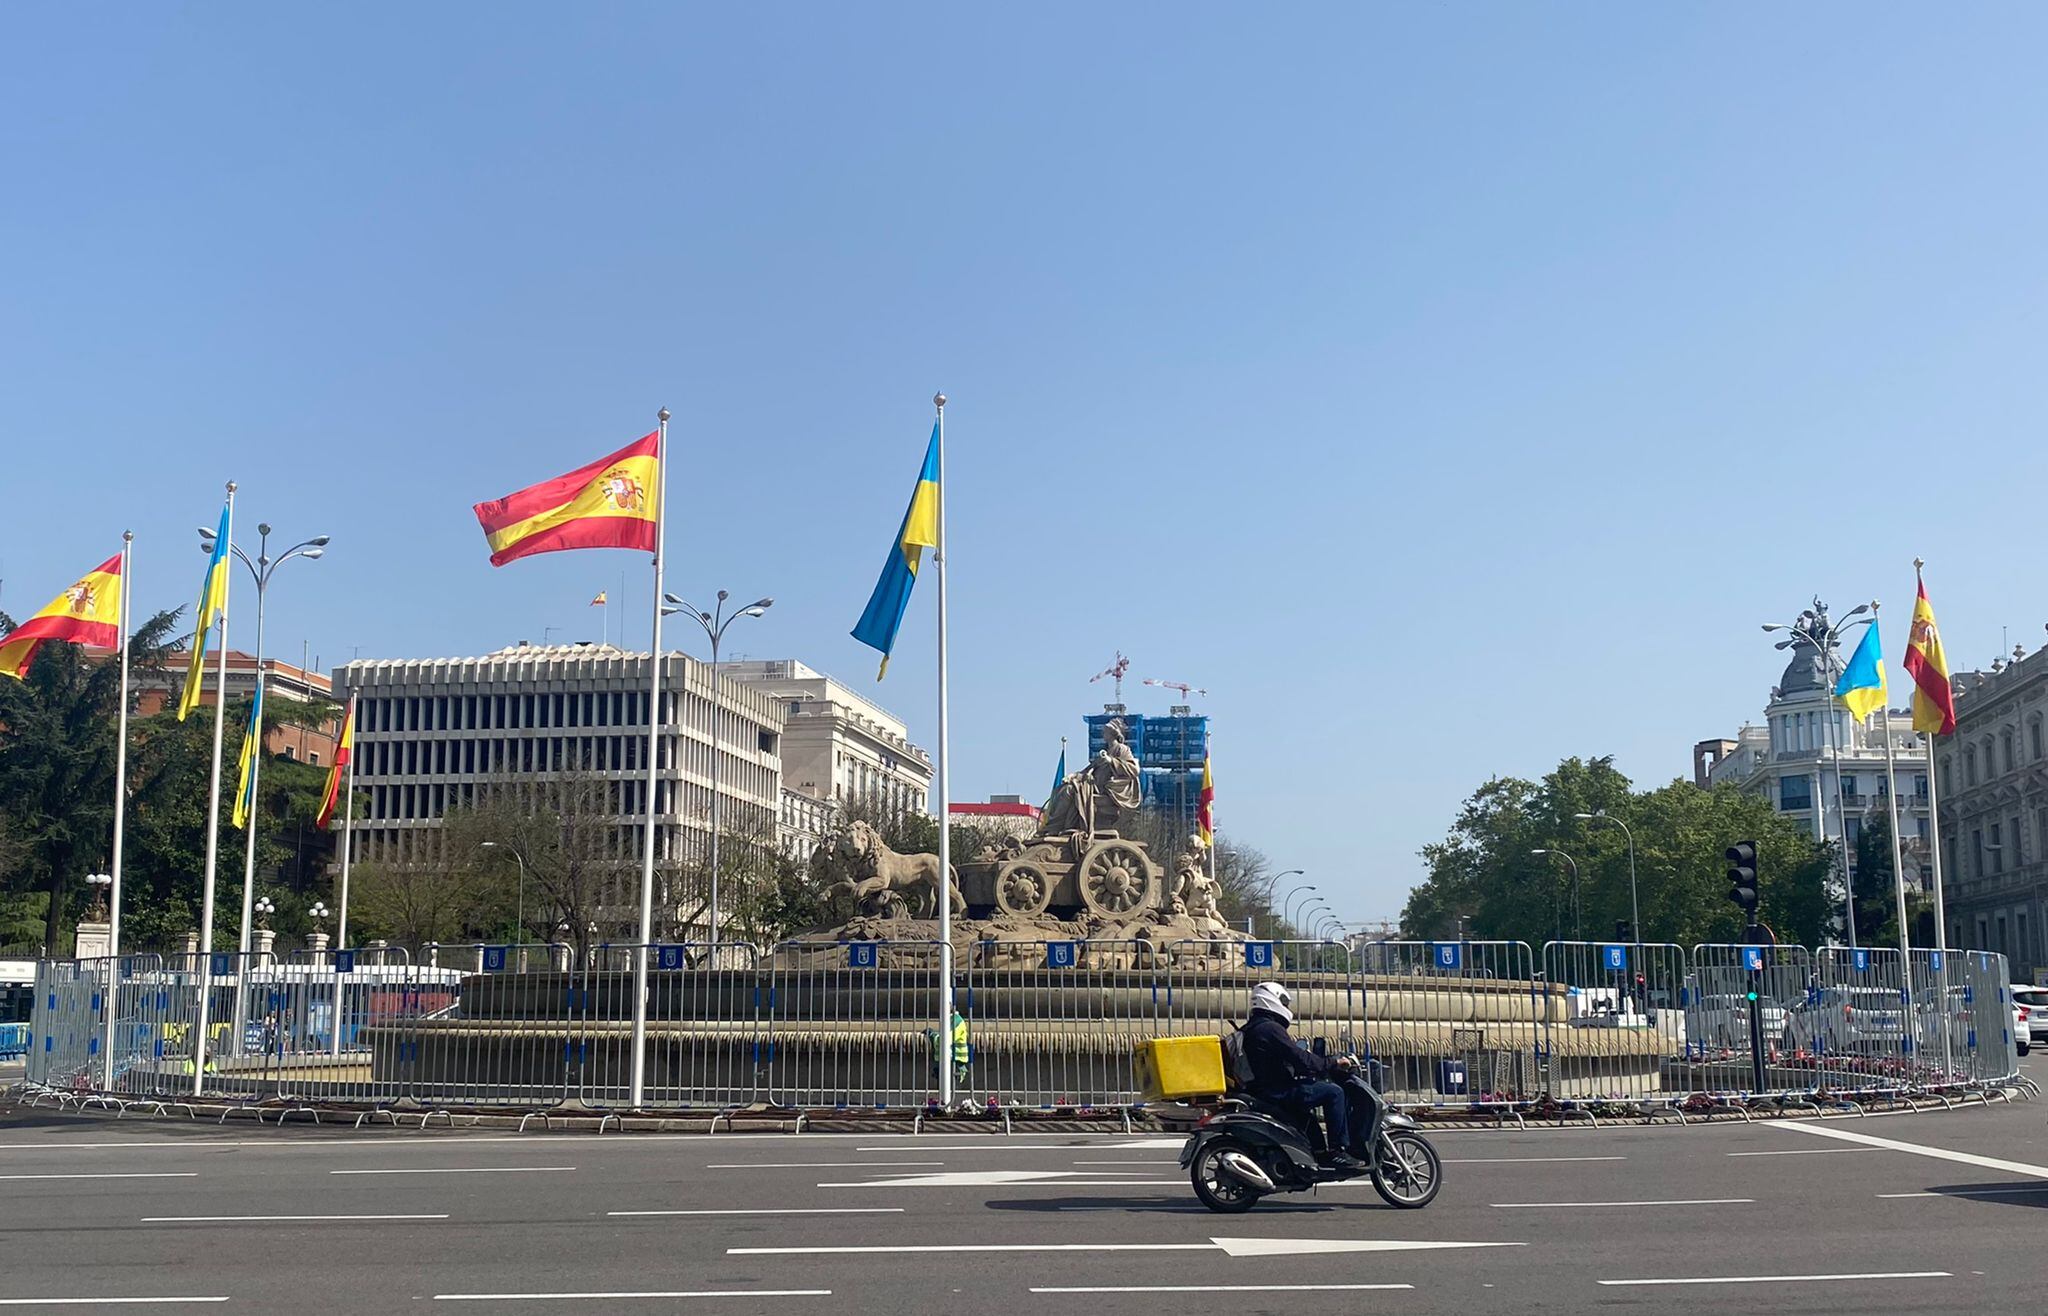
[1278,1062]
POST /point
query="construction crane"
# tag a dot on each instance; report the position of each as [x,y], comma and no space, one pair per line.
[1182,686]
[1115,670]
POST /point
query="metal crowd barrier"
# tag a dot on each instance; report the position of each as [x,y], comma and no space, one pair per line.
[1046,1025]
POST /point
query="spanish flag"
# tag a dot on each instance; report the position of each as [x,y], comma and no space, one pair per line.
[344,750]
[245,797]
[87,613]
[607,504]
[920,530]
[213,605]
[1205,810]
[1934,699]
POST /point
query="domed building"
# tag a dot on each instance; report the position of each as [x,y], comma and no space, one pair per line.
[1819,765]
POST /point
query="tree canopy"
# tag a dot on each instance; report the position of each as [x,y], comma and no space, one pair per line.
[1485,870]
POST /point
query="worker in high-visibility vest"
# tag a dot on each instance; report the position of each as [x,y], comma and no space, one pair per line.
[957,1043]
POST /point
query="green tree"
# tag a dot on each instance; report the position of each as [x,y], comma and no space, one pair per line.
[1484,869]
[57,751]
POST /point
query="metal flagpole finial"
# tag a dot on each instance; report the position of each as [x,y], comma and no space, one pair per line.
[231,486]
[127,536]
[662,415]
[1918,563]
[939,401]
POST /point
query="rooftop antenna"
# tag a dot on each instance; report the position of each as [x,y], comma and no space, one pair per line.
[1116,671]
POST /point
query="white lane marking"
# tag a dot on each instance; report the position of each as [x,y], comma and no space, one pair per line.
[1781,1279]
[162,1174]
[615,1296]
[1154,1164]
[1681,1201]
[1227,1288]
[1236,1247]
[271,1219]
[1939,1153]
[1809,1151]
[779,1210]
[1025,1183]
[965,1179]
[1024,1147]
[812,1165]
[472,1169]
[98,1302]
[1527,1160]
[1976,1192]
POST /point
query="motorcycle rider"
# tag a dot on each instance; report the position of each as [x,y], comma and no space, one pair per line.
[1286,1072]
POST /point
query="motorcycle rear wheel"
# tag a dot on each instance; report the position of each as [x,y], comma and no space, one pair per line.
[1217,1190]
[1406,1170]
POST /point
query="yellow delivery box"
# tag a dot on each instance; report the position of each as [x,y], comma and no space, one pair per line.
[1173,1068]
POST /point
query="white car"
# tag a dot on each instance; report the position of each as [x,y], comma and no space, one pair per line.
[2030,1015]
[1869,1020]
[1722,1021]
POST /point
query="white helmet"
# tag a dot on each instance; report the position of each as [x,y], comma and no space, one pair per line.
[1271,996]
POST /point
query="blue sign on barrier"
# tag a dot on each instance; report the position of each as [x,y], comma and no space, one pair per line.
[1060,954]
[1450,1077]
[223,963]
[1446,954]
[1859,960]
[1934,959]
[1615,958]
[494,959]
[1753,958]
[668,957]
[1258,954]
[862,954]
[344,961]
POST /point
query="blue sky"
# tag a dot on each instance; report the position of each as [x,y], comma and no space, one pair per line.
[1447,389]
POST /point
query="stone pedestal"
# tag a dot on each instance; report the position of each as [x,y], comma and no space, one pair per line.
[316,942]
[95,940]
[261,940]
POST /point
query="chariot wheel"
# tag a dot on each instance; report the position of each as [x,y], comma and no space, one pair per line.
[1115,879]
[1023,888]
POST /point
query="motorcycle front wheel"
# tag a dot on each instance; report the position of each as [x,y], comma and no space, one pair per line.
[1406,1171]
[1218,1191]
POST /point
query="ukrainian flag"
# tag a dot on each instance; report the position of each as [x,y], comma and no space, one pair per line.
[1862,689]
[245,795]
[878,625]
[213,605]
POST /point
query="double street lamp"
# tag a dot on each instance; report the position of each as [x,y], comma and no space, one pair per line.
[714,624]
[262,567]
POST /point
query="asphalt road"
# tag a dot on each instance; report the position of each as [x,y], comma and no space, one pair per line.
[1941,1214]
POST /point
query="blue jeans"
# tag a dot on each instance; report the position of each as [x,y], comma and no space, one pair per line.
[1330,1099]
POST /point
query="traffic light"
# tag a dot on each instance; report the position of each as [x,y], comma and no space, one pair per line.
[1742,876]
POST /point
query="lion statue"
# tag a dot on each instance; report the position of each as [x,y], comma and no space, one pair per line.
[881,883]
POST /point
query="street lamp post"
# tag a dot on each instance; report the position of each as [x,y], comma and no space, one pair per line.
[1802,633]
[1578,924]
[1266,897]
[1287,908]
[1635,910]
[261,568]
[519,859]
[714,624]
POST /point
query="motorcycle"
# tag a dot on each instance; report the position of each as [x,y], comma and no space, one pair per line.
[1246,1149]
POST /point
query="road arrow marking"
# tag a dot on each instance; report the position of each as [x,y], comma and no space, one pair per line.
[1236,1247]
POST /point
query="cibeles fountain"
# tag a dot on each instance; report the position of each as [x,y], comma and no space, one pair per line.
[1076,880]
[1069,946]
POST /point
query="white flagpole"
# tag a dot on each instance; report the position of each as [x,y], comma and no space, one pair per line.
[639,1079]
[220,712]
[1891,782]
[120,813]
[348,821]
[1934,832]
[945,892]
[348,818]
